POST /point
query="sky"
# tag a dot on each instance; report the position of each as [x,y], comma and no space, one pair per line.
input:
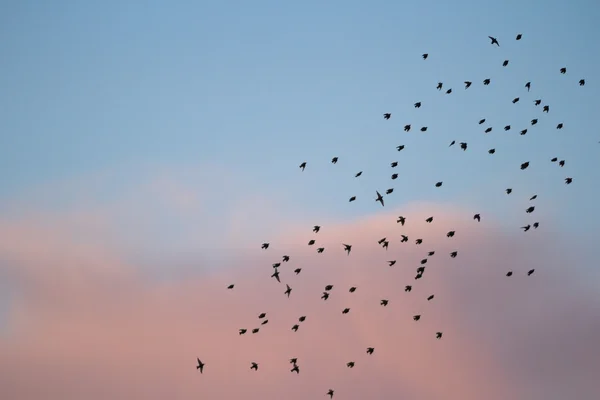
[149,148]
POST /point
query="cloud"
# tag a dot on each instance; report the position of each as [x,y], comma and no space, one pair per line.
[86,323]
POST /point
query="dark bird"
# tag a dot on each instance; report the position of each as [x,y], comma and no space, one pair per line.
[254,366]
[505,63]
[546,108]
[328,287]
[416,317]
[316,228]
[430,297]
[330,393]
[531,271]
[555,159]
[439,184]
[265,246]
[276,275]
[303,165]
[311,242]
[424,129]
[536,225]
[404,238]
[288,290]
[379,198]
[487,81]
[384,302]
[509,273]
[418,241]
[463,146]
[334,160]
[425,56]
[347,248]
[380,241]
[519,36]
[477,217]
[507,128]
[429,220]
[345,311]
[438,335]
[295,328]
[352,289]
[454,254]
[352,199]
[417,104]
[537,102]
[526,227]
[370,350]
[534,121]
[581,82]
[242,331]
[488,130]
[286,258]
[533,197]
[515,100]
[448,91]
[302,318]
[407,288]
[230,286]
[525,165]
[325,296]
[481,121]
[494,41]
[389,191]
[401,220]
[467,84]
[297,270]
[508,191]
[394,176]
[406,128]
[262,315]
[293,360]
[255,330]
[358,174]
[400,148]
[295,369]
[394,164]
[528,86]
[561,163]
[350,364]
[200,365]
[387,115]
[559,126]
[386,244]
[491,151]
[568,180]
[391,263]
[529,210]
[563,70]
[452,143]
[266,321]
[276,265]
[439,86]
[524,131]
[450,234]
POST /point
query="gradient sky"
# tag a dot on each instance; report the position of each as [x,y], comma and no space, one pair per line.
[172,132]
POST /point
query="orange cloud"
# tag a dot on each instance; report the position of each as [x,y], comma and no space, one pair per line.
[86,324]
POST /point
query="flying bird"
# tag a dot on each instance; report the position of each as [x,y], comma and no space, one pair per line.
[505,63]
[316,228]
[425,56]
[254,366]
[519,36]
[265,246]
[477,217]
[347,248]
[200,365]
[528,86]
[563,70]
[303,165]
[417,104]
[230,286]
[581,82]
[467,84]
[288,290]
[330,393]
[379,198]
[494,41]
[334,160]
[370,350]
[387,116]
[438,335]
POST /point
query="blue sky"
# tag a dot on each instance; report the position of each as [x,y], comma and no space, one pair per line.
[120,89]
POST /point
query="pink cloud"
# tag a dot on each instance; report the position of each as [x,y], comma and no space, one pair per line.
[86,324]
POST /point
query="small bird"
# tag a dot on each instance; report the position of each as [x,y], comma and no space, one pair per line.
[430,297]
[424,129]
[531,271]
[297,270]
[529,210]
[491,151]
[387,115]
[370,350]
[477,217]
[394,164]
[488,130]
[449,91]
[526,227]
[391,263]
[328,287]
[350,364]
[345,311]
[555,159]
[406,128]
[524,131]
[481,121]
[463,146]
[254,366]
[418,241]
[494,41]
[509,273]
[561,163]
[546,108]
[468,84]
[417,104]
[262,315]
[384,302]
[394,176]
[536,225]
[255,330]
[293,360]
[358,174]
[266,321]
[505,63]
[379,198]
[450,234]
[487,81]
[416,317]
[407,288]
[352,289]
[508,191]
[568,180]
[581,82]
[515,100]
[316,228]
[507,128]
[534,121]
[528,86]
[303,165]
[439,86]
[288,290]
[347,248]
[525,165]
[438,335]
[533,197]
[200,365]
[265,246]
[311,242]
[325,296]
[295,327]
[389,191]
[352,199]
[276,265]
[330,393]
[230,286]
[563,70]
[302,318]
[454,254]
[439,184]
[537,102]
[401,220]
[429,220]
[334,160]
[452,143]
[286,258]
[559,126]
[400,148]
[519,36]
[276,275]
[380,241]
[242,331]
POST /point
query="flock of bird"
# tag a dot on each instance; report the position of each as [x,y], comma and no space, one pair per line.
[384,242]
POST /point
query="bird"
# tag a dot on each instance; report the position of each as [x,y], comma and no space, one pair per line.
[404,239]
[454,254]
[276,275]
[509,273]
[379,198]
[384,302]
[438,335]
[389,191]
[394,176]
[452,143]
[370,350]
[297,270]
[425,56]
[505,63]
[311,242]
[345,311]
[559,126]
[531,271]
[429,220]
[400,148]
[533,197]
[424,129]
[295,369]
[254,366]
[534,121]
[255,330]
[508,191]
[242,331]
[328,287]
[401,220]
[563,70]
[406,128]
[407,288]
[450,234]
[491,151]
[546,108]
[494,41]
[525,165]
[449,91]
[303,165]
[387,115]
[391,263]
[286,258]
[293,360]
[481,121]
[320,250]
[524,131]
[463,145]
[394,164]
[430,297]
[352,199]
[581,82]
[288,290]
[350,364]
[488,130]
[537,102]
[330,393]
[467,84]
[439,86]
[347,248]
[507,128]
[266,321]
[262,315]
[265,246]
[295,327]
[561,163]
[325,296]
[519,36]
[230,286]
[334,160]
[352,289]
[358,174]
[536,225]
[200,365]
[416,317]
[487,81]
[529,210]
[439,184]
[477,217]
[526,227]
[515,100]
[316,228]
[302,318]
[528,86]
[568,180]
[417,104]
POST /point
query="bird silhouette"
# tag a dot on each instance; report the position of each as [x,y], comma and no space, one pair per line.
[494,41]
[200,365]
